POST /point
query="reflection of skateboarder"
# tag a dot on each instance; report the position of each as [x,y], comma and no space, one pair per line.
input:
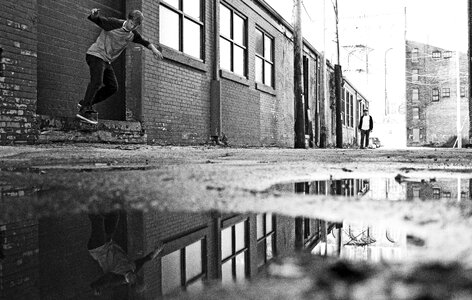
[117,267]
[116,35]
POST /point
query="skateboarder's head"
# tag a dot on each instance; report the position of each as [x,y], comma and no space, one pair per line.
[134,20]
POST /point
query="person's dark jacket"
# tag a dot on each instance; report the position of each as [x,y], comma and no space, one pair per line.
[371,123]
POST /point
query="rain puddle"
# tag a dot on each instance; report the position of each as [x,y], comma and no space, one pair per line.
[148,254]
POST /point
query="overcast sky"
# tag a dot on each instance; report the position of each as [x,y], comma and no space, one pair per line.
[380,26]
[442,23]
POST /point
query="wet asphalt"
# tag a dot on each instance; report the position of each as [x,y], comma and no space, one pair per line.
[74,178]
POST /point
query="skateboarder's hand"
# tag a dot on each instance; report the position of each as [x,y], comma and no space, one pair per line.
[156,52]
[95,11]
[158,55]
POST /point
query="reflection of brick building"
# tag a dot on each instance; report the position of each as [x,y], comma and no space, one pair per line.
[439,189]
[19,270]
[48,258]
[19,251]
[431,94]
[212,246]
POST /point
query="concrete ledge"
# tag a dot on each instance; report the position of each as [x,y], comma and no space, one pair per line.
[67,129]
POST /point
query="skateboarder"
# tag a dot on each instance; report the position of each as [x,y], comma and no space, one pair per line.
[115,36]
[117,267]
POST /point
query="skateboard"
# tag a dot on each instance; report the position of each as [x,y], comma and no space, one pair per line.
[86,126]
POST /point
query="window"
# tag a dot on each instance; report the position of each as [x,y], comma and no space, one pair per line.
[414,75]
[416,134]
[436,54]
[415,95]
[232,41]
[181,26]
[463,94]
[184,268]
[446,92]
[343,106]
[414,55]
[416,192]
[352,110]
[264,58]
[447,54]
[436,193]
[447,194]
[234,252]
[416,113]
[346,109]
[265,239]
[435,94]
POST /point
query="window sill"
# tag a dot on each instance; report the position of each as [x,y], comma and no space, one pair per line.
[233,77]
[266,89]
[184,59]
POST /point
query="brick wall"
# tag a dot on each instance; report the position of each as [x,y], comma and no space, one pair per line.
[255,117]
[176,101]
[18,48]
[19,271]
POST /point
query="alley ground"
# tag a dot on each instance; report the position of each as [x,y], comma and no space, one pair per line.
[79,177]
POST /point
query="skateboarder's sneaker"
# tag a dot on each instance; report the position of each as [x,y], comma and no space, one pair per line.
[89,108]
[87,116]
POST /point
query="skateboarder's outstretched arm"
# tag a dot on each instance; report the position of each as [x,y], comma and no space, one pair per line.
[106,23]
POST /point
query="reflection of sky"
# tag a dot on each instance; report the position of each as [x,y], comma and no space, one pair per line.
[374,243]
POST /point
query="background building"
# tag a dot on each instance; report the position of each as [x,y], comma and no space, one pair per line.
[431,97]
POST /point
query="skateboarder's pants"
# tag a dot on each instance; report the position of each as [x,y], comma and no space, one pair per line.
[102,83]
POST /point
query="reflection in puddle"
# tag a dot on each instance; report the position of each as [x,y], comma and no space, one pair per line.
[149,253]
[121,254]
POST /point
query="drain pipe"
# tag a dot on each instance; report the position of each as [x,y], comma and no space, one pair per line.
[215,92]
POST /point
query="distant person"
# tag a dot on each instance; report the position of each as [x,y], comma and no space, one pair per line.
[117,267]
[366,124]
[115,36]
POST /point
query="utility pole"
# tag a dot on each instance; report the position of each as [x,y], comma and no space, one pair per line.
[338,81]
[458,101]
[298,84]
[469,8]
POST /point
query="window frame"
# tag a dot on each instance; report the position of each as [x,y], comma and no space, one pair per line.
[263,239]
[264,59]
[414,55]
[447,54]
[415,94]
[463,91]
[232,223]
[446,92]
[182,17]
[233,43]
[352,109]
[415,75]
[180,244]
[415,113]
[435,95]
